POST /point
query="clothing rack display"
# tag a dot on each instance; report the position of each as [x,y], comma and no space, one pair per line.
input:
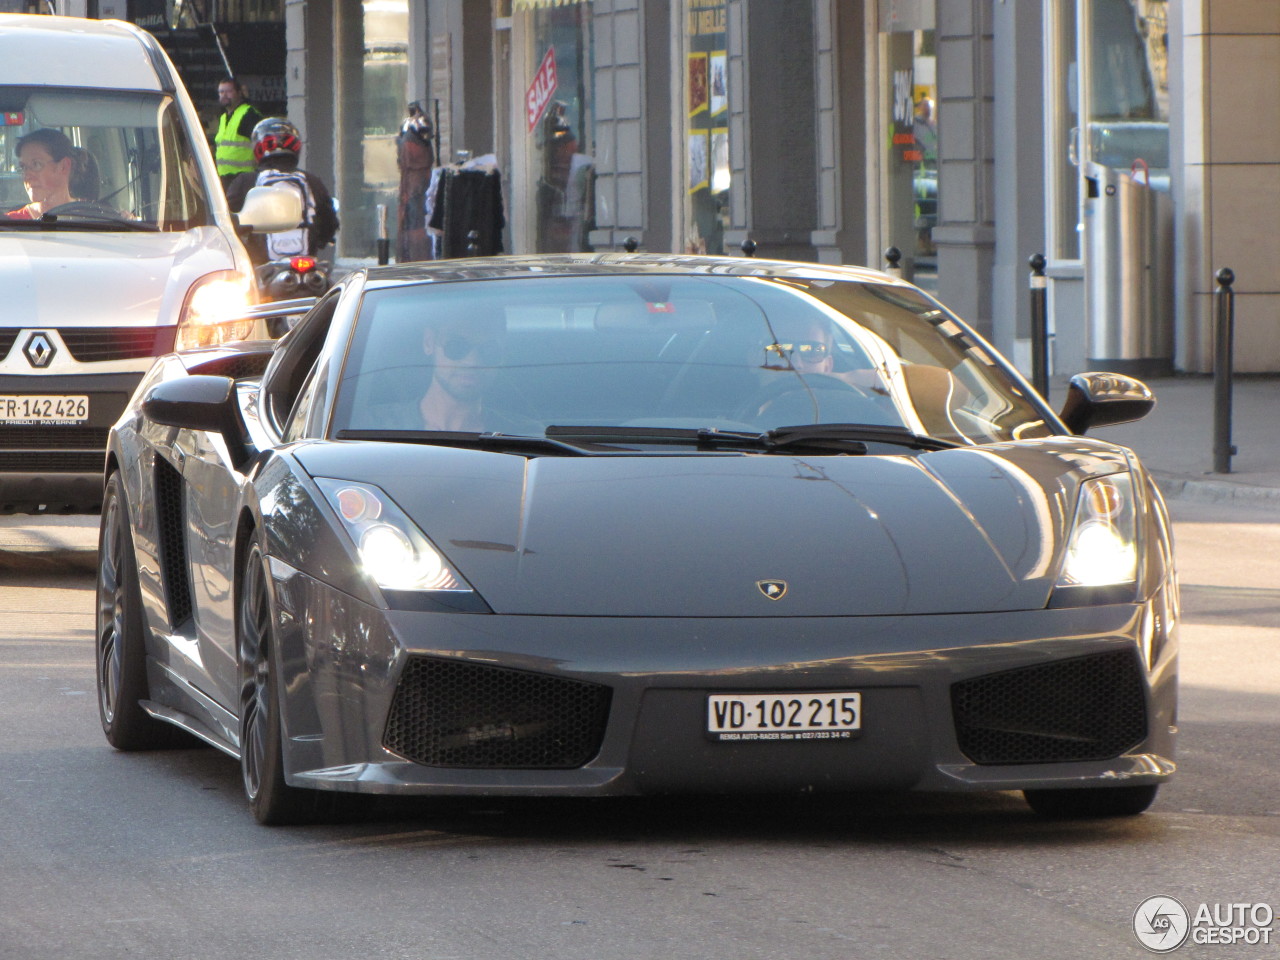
[466,198]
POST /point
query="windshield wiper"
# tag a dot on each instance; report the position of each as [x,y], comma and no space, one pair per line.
[814,433]
[502,442]
[77,222]
[711,438]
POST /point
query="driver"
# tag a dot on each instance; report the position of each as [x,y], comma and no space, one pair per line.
[54,172]
[807,346]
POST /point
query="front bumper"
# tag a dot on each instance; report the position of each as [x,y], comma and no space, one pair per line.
[343,661]
[58,468]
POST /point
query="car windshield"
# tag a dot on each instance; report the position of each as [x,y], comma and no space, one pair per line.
[651,353]
[133,166]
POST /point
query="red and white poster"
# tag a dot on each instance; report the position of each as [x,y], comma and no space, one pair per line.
[539,93]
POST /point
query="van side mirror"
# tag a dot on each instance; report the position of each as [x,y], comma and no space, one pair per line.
[1104,399]
[270,209]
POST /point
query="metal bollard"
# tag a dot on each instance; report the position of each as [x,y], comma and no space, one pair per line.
[748,247]
[893,257]
[1224,347]
[473,243]
[1039,325]
[384,244]
[631,244]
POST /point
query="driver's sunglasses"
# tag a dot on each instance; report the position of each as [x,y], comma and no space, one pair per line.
[459,348]
[804,349]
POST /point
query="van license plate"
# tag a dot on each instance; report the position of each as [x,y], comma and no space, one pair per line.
[27,409]
[784,716]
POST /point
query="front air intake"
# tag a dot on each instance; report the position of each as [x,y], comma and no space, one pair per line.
[1085,708]
[453,713]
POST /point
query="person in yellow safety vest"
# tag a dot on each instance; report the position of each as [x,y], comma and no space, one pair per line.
[233,144]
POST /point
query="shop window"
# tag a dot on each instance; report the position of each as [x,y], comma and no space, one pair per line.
[706,109]
[560,123]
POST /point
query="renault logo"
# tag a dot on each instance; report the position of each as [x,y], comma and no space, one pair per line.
[39,351]
[773,589]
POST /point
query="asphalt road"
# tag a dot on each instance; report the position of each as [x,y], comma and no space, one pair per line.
[110,855]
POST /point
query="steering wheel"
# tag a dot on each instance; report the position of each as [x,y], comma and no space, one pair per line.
[84,208]
[818,395]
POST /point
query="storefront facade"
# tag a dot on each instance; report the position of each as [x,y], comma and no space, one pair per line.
[968,134]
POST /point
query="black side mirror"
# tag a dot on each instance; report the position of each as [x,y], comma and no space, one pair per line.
[1104,399]
[200,403]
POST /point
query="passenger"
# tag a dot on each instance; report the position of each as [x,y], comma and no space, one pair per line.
[465,353]
[54,172]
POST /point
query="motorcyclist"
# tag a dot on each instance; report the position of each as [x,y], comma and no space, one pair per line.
[276,149]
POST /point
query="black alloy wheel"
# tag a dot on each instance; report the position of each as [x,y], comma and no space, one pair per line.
[121,661]
[272,801]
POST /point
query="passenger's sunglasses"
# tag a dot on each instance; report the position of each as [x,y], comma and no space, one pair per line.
[459,348]
[803,349]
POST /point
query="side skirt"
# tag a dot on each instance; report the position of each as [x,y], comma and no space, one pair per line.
[199,715]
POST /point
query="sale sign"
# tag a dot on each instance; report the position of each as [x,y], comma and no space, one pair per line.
[540,91]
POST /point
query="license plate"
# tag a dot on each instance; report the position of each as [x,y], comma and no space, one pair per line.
[44,408]
[784,716]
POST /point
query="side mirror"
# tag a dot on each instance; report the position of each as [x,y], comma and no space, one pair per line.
[199,403]
[270,209]
[1104,399]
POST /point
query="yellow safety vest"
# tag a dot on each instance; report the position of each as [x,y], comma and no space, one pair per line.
[233,152]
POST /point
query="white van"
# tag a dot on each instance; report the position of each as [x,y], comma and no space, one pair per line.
[145,260]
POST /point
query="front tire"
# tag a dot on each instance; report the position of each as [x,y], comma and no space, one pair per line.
[272,801]
[121,654]
[1088,803]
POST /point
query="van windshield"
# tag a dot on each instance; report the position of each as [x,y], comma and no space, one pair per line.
[118,160]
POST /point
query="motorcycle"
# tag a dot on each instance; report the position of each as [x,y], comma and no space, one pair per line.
[291,278]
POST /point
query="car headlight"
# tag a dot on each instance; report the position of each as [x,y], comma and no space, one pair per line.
[393,552]
[213,312]
[1102,546]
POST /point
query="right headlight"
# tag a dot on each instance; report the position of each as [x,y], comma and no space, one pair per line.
[1101,555]
[393,552]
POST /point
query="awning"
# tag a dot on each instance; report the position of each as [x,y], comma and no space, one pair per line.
[540,4]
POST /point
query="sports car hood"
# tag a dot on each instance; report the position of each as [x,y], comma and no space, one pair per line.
[954,531]
[64,278]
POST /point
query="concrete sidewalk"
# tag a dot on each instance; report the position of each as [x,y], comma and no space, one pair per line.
[1175,442]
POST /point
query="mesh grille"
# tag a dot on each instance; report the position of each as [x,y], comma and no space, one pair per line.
[450,713]
[93,344]
[1087,708]
[56,438]
[173,542]
[52,461]
[235,366]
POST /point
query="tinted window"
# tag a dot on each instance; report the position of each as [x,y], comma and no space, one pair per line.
[732,353]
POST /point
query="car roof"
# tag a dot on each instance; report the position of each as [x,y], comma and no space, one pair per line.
[35,51]
[613,264]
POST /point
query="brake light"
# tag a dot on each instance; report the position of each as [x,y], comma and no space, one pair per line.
[302,264]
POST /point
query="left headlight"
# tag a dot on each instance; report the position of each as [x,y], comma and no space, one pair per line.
[1102,546]
[213,312]
[393,552]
